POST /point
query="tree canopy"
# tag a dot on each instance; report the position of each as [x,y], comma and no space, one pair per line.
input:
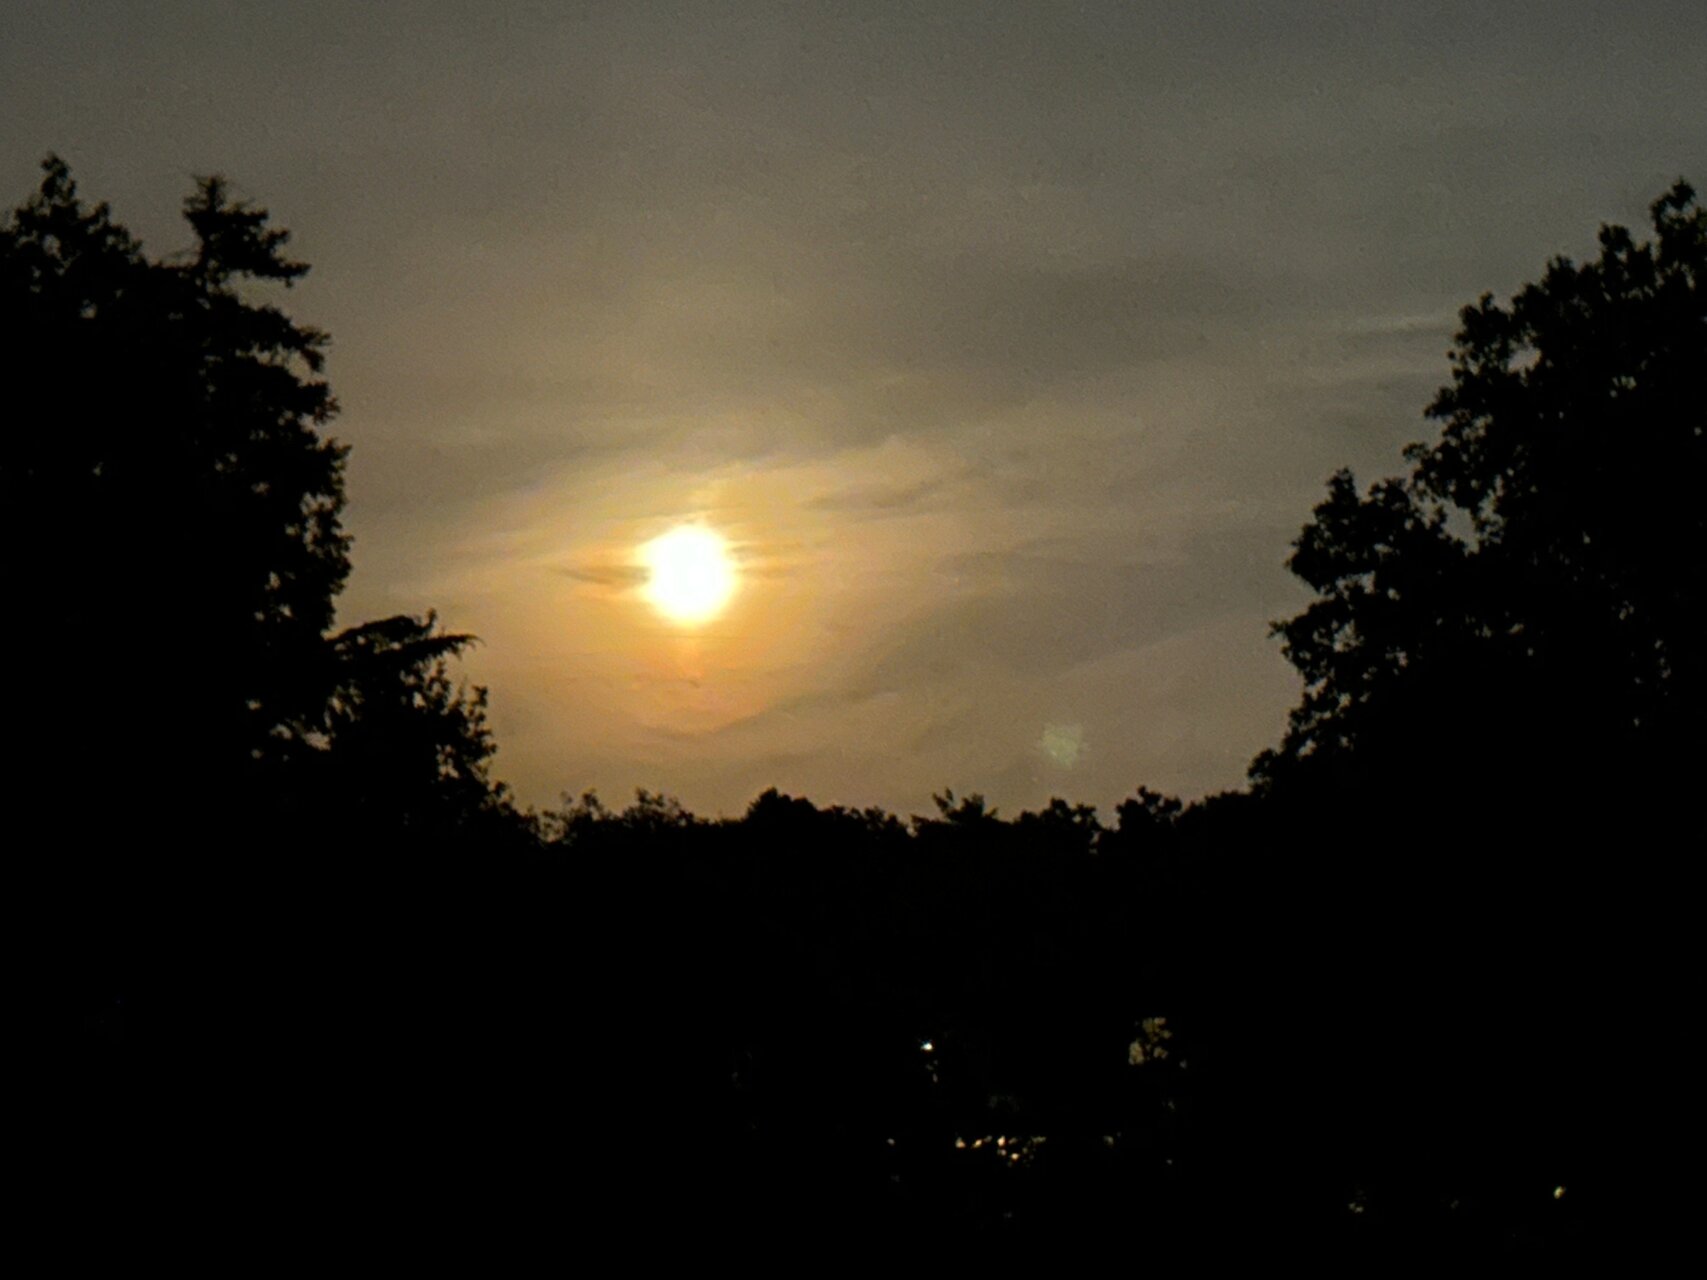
[172,508]
[1498,743]
[1528,599]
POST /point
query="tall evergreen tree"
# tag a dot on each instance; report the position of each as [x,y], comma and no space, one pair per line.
[172,508]
[170,503]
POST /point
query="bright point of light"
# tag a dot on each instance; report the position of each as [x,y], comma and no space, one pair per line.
[690,576]
[927,1046]
[1558,1193]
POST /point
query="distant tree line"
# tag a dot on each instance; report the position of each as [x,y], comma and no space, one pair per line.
[1414,992]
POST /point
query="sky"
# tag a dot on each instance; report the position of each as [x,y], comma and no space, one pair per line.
[1008,345]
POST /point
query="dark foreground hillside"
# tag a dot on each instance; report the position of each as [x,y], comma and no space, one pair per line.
[818,1028]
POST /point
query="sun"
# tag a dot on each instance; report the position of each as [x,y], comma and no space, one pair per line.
[689,574]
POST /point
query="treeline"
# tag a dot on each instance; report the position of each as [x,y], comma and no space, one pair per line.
[311,974]
[1201,1025]
[1210,1026]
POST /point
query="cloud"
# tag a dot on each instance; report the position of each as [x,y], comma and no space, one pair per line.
[605,575]
[1017,345]
[1036,615]
[870,500]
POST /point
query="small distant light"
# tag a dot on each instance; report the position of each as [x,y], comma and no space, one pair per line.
[1001,1142]
[960,1144]
[927,1046]
[889,1142]
[1558,1193]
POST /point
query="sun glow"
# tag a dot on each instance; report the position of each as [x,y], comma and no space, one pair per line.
[689,574]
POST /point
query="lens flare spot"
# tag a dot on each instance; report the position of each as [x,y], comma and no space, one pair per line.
[1063,743]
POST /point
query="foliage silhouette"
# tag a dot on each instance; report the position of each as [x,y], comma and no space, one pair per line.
[218,789]
[401,746]
[1503,689]
[168,473]
[1529,595]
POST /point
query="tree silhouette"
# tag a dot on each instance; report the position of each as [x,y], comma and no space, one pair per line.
[172,510]
[1496,748]
[402,749]
[1528,600]
[169,503]
[250,828]
[210,770]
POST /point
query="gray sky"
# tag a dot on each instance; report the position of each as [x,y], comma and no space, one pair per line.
[1009,345]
